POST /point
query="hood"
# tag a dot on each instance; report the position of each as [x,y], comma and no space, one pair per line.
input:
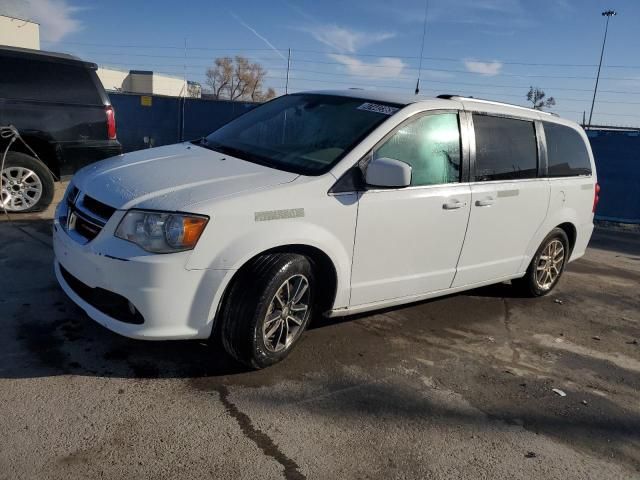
[173,177]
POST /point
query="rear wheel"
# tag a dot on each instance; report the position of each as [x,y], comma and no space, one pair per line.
[268,308]
[547,265]
[27,184]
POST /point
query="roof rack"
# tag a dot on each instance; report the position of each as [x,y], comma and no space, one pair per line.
[493,102]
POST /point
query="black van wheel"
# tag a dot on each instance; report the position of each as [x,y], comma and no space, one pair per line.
[547,265]
[268,308]
[27,184]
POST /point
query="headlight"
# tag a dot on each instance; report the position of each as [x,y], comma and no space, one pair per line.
[161,232]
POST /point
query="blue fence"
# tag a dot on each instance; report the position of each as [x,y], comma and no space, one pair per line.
[150,121]
[617,155]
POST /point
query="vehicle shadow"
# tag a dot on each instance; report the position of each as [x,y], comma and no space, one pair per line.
[55,337]
[45,334]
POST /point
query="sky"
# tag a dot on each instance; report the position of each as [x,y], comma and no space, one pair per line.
[494,49]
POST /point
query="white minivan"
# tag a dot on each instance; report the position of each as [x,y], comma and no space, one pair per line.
[334,203]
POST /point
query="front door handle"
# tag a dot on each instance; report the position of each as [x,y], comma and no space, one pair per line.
[453,205]
[485,202]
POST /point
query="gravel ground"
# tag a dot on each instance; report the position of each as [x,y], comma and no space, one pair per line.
[457,387]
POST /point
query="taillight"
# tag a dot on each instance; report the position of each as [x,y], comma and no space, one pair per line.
[111,122]
[596,197]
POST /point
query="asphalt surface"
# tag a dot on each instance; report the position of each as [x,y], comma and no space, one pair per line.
[457,387]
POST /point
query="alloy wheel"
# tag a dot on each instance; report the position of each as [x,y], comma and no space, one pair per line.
[550,264]
[21,189]
[286,314]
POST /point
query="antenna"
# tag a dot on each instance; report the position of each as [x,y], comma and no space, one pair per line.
[424,31]
[185,87]
[286,85]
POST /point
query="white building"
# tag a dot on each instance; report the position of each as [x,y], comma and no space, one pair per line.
[16,32]
[146,82]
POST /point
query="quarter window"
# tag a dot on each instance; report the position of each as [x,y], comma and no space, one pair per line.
[47,81]
[506,148]
[566,152]
[431,145]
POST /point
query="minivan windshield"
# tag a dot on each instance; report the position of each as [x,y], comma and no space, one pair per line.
[301,133]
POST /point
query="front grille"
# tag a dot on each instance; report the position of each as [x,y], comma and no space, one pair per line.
[86,228]
[102,210]
[85,215]
[72,195]
[110,303]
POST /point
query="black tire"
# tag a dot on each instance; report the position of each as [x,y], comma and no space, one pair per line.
[245,309]
[529,285]
[41,174]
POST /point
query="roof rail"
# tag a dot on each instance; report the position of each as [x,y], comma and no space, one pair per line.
[44,54]
[493,102]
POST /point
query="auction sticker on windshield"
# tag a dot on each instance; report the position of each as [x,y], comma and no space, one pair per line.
[376,107]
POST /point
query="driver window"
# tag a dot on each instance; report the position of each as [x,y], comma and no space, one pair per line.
[431,145]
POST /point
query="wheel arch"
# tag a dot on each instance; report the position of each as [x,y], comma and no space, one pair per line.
[46,152]
[566,222]
[322,263]
[572,233]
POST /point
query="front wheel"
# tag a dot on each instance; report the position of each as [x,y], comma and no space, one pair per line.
[547,265]
[268,308]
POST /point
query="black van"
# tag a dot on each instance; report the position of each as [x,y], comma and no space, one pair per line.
[60,108]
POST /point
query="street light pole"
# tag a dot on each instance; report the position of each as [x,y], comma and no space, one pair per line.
[608,14]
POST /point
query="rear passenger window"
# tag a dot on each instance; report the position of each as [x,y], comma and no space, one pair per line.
[506,148]
[567,154]
[431,145]
[28,79]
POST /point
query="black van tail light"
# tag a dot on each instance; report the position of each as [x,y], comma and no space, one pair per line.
[111,122]
[596,197]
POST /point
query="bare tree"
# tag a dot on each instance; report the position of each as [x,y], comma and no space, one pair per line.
[238,79]
[268,95]
[194,90]
[537,98]
[219,76]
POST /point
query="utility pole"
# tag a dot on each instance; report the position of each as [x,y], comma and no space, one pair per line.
[286,85]
[608,14]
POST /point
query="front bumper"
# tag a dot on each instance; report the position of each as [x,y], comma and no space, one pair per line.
[175,303]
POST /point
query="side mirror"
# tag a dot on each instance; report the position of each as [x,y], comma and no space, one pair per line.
[388,173]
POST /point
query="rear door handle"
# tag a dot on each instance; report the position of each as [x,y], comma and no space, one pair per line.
[485,202]
[453,205]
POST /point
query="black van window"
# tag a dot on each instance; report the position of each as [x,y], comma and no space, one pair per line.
[506,148]
[45,81]
[566,152]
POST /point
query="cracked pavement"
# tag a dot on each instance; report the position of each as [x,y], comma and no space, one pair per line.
[456,387]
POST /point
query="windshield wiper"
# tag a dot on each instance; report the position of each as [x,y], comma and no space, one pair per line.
[202,142]
[235,152]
